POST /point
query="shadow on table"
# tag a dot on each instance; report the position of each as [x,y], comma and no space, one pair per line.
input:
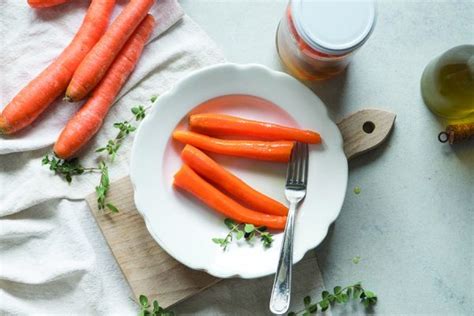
[251,297]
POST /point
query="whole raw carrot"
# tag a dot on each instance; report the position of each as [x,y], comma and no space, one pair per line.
[223,125]
[238,189]
[190,181]
[32,100]
[85,123]
[45,3]
[278,151]
[94,66]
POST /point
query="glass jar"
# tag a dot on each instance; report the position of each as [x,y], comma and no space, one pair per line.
[447,83]
[316,39]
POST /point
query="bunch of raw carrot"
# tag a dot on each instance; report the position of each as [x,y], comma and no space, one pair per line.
[205,178]
[95,64]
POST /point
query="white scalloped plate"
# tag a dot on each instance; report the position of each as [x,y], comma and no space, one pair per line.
[184,227]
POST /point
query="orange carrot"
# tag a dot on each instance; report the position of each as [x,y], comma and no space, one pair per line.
[94,66]
[278,151]
[190,181]
[45,3]
[238,189]
[82,126]
[32,100]
[223,125]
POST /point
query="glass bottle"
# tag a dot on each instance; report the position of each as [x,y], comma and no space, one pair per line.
[447,83]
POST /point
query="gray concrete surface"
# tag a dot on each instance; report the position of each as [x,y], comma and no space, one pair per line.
[413,223]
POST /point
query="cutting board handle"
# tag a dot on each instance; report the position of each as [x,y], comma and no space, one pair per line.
[365,130]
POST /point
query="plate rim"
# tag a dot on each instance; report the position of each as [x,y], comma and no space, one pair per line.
[155,108]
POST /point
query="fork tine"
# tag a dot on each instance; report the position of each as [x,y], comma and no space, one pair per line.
[304,163]
[291,171]
[299,166]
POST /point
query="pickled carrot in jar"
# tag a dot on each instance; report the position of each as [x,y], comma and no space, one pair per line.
[317,38]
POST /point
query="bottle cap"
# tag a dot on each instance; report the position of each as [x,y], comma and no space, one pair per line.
[334,27]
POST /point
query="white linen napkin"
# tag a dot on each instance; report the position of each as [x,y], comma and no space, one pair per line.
[53,258]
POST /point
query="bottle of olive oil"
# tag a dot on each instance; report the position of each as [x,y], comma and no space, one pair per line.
[447,84]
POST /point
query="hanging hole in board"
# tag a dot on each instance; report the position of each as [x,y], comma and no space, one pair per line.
[368,127]
[443,137]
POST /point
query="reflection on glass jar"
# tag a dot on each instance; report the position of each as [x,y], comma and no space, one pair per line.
[316,39]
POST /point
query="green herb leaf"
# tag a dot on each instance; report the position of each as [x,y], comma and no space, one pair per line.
[344,297]
[341,296]
[143,301]
[153,98]
[267,239]
[65,168]
[307,300]
[313,308]
[357,190]
[103,187]
[247,231]
[356,260]
[112,208]
[229,223]
[324,304]
[248,228]
[218,240]
[139,112]
[369,294]
[331,298]
[156,306]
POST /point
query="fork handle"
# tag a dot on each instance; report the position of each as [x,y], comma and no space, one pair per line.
[281,291]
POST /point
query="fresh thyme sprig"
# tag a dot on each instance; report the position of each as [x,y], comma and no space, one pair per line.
[340,295]
[156,311]
[72,167]
[103,187]
[66,168]
[246,231]
[125,128]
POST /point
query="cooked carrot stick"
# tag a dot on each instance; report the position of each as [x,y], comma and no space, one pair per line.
[33,99]
[45,3]
[278,151]
[82,126]
[238,189]
[94,66]
[223,125]
[190,181]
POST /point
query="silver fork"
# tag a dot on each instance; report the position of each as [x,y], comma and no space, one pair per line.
[295,191]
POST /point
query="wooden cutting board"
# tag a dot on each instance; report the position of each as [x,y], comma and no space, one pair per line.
[150,270]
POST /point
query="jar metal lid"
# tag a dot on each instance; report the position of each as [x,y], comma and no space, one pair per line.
[334,27]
